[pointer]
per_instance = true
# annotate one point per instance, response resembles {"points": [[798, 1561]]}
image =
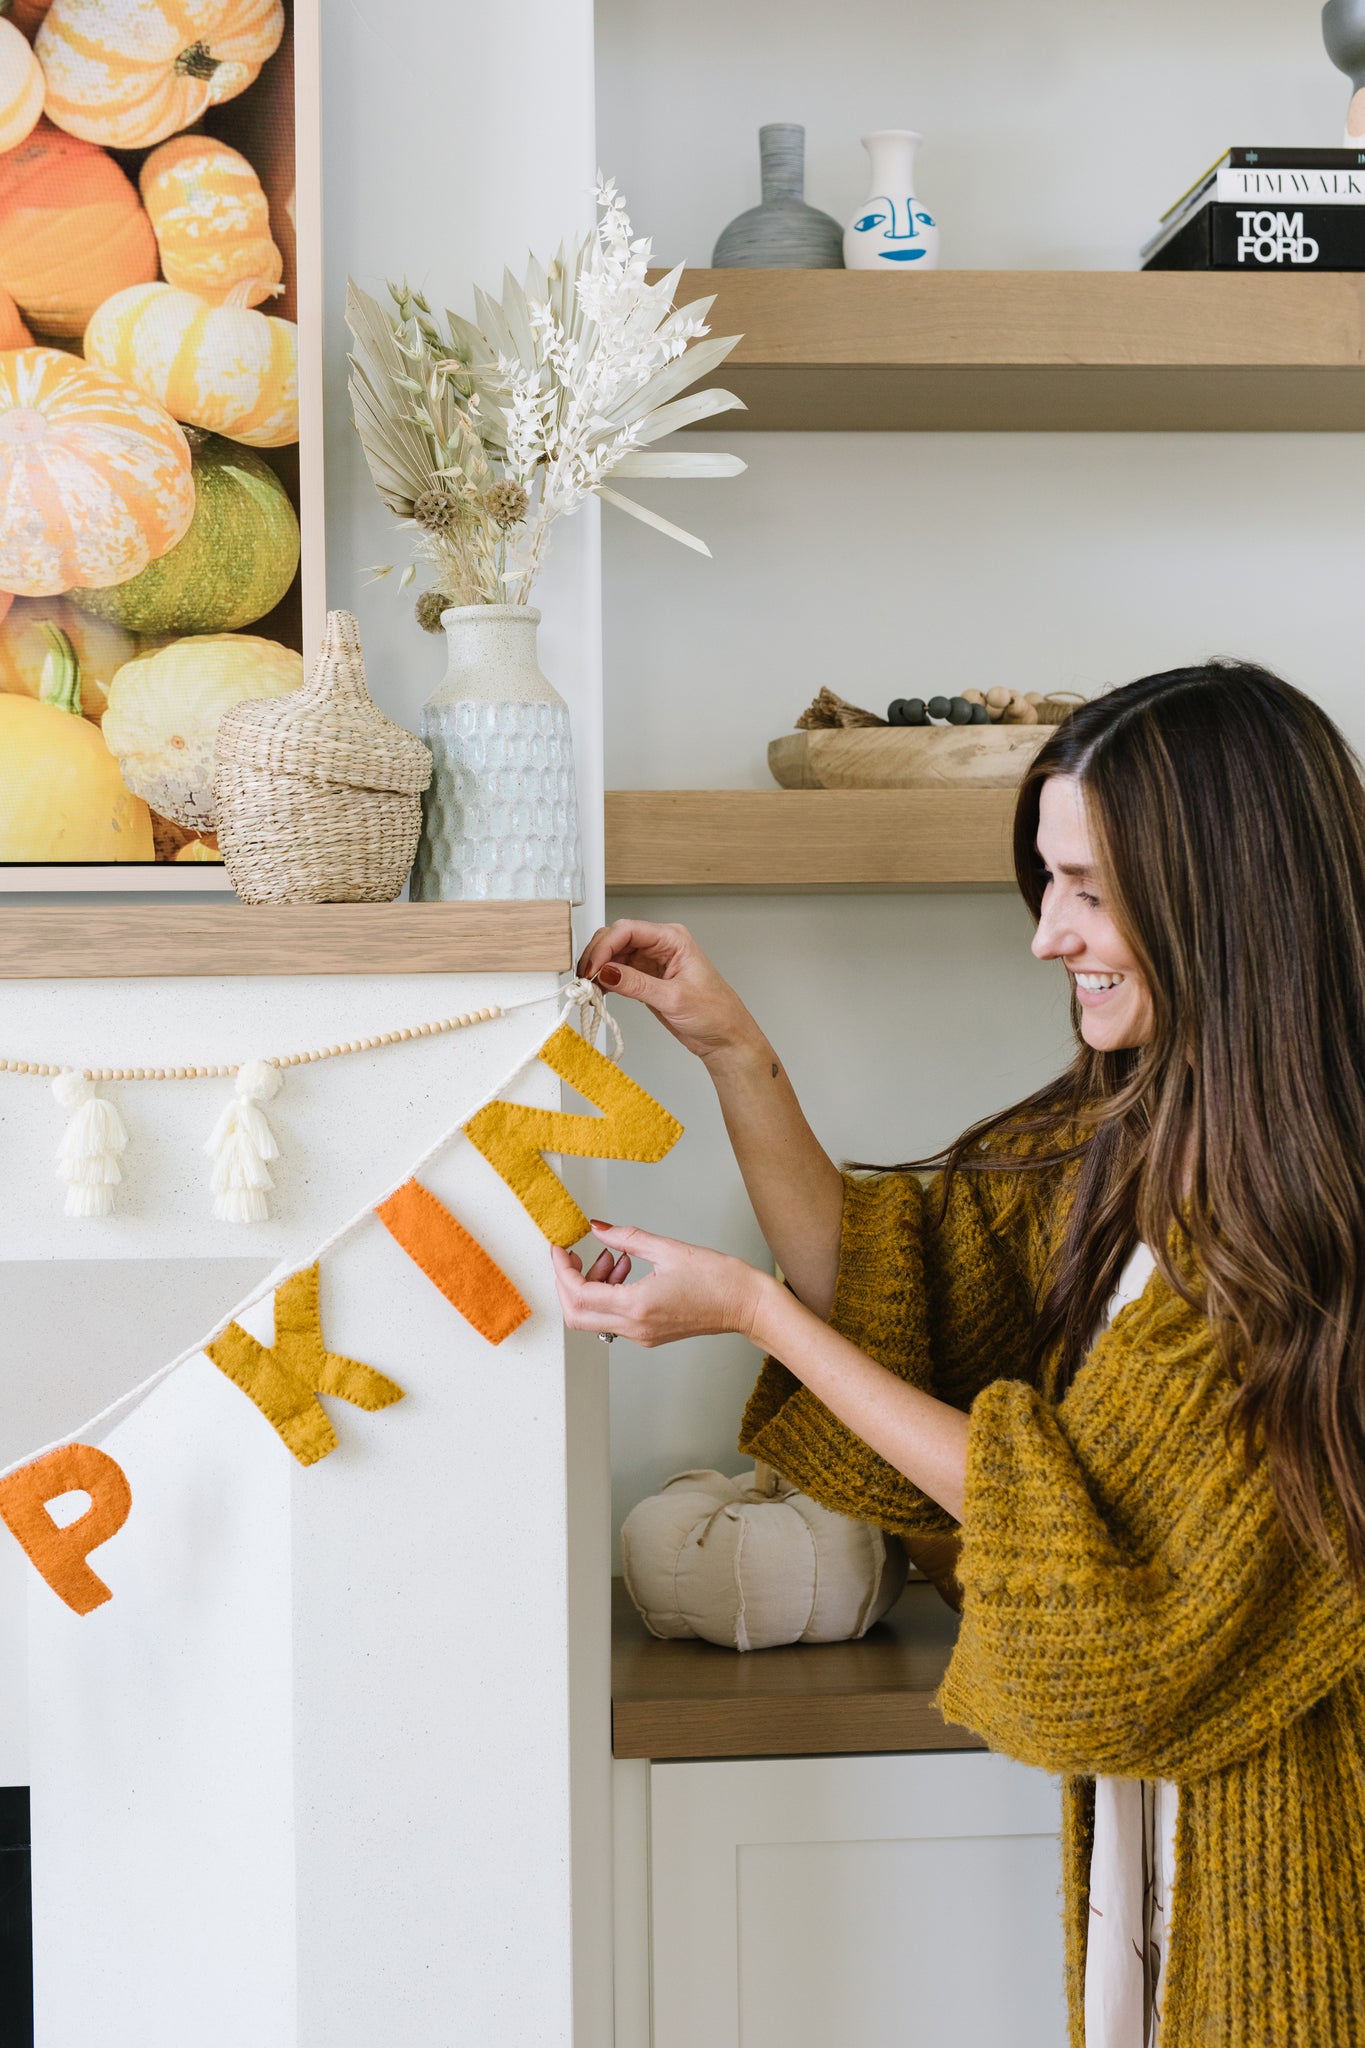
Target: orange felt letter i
{"points": [[60, 1554]]}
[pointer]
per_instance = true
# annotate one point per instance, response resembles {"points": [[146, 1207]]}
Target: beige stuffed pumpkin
{"points": [[751, 1563]]}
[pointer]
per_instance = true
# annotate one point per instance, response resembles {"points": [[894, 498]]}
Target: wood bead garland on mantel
{"points": [[242, 1141], [318, 795]]}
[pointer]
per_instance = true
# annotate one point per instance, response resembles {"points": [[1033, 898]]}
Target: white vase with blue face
{"points": [[892, 230]]}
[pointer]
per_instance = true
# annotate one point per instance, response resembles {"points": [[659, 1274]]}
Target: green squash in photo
{"points": [[233, 565]]}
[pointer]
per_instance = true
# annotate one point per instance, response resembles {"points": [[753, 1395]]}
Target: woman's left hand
{"points": [[692, 1292]]}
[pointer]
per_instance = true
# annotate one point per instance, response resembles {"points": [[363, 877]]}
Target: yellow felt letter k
{"points": [[512, 1137], [285, 1378]]}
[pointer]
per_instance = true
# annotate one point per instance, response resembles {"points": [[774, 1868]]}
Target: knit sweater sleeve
{"points": [[945, 1305], [1131, 1603]]}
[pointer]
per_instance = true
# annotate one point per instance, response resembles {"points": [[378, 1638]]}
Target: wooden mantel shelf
{"points": [[783, 841], [117, 941], [1039, 350], [691, 1699]]}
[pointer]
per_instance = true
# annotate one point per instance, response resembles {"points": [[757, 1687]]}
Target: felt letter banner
{"points": [[453, 1261], [60, 1554], [512, 1137], [285, 1378]]}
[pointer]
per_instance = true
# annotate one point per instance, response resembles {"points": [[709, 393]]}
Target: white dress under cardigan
{"points": [[1132, 1864]]}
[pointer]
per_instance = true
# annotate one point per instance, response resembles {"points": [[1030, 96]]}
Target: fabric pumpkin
{"points": [[164, 710], [71, 230], [127, 73], [750, 1563], [100, 648], [61, 794], [95, 480], [13, 333], [21, 87], [231, 568], [211, 219], [225, 368]]}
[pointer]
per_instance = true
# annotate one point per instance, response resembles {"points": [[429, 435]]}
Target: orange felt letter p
{"points": [[60, 1554]]}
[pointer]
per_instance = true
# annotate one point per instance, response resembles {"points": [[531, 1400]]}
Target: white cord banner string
{"points": [[577, 996]]}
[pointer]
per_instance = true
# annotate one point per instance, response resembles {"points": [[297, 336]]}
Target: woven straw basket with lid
{"points": [[318, 794]]}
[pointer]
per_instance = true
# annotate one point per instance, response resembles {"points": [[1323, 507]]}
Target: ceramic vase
{"points": [[500, 817], [1343, 35], [892, 230], [783, 233]]}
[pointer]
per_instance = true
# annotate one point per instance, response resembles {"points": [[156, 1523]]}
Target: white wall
{"points": [[890, 565]]}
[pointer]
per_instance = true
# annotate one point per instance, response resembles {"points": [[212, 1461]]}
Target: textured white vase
{"points": [[500, 818], [892, 230]]}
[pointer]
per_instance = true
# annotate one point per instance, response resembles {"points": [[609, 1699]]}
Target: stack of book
{"points": [[1268, 209]]}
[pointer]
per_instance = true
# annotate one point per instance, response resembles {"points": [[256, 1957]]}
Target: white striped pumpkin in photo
{"points": [[227, 368], [127, 73], [21, 87], [95, 479]]}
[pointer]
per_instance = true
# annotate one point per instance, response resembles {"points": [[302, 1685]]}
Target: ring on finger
{"points": [[606, 1336]]}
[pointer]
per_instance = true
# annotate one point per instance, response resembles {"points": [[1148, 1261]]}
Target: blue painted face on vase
{"points": [[900, 226]]}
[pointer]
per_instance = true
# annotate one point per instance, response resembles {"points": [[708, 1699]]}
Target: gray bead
{"points": [[959, 712], [937, 707], [980, 715], [783, 233]]}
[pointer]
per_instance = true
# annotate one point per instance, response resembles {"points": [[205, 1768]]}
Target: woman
{"points": [[1163, 1514]]}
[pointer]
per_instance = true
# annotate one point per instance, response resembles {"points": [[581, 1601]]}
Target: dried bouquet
{"points": [[480, 436]]}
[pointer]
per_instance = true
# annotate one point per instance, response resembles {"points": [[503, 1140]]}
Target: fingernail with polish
{"points": [[610, 977]]}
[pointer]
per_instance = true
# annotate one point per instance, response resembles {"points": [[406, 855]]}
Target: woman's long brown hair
{"points": [[1229, 818]]}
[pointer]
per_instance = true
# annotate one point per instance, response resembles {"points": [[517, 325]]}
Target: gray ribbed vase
{"points": [[500, 817], [783, 233]]}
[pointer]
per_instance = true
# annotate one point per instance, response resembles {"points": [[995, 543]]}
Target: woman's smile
{"points": [[1094, 989]]}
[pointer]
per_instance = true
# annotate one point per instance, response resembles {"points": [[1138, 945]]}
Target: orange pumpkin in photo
{"points": [[72, 230], [127, 73], [27, 15], [13, 333]]}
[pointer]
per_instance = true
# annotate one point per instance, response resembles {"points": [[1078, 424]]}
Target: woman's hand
{"points": [[692, 1292], [663, 967]]}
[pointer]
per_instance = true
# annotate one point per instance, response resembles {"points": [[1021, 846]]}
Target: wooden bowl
{"points": [[907, 756]]}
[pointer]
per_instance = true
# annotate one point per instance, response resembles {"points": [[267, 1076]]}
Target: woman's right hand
{"points": [[663, 967]]}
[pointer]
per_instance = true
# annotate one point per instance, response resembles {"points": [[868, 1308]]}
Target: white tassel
{"points": [[87, 1158], [241, 1143]]}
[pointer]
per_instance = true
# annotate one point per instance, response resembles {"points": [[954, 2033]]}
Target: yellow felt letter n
{"points": [[512, 1137], [285, 1378]]}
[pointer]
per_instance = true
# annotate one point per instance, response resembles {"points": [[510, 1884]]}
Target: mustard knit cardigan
{"points": [[1131, 1605]]}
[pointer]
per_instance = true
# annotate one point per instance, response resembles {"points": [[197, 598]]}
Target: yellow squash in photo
{"points": [[62, 796]]}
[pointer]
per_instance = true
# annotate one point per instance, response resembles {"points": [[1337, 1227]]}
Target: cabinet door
{"points": [[856, 1902]]}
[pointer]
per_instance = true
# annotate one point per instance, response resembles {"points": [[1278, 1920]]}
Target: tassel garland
{"points": [[241, 1143], [87, 1158]]}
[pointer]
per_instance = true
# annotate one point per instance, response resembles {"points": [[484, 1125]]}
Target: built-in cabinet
{"points": [[808, 1856], [838, 1902]]}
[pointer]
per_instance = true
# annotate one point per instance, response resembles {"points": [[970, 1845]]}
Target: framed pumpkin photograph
{"points": [[161, 538]]}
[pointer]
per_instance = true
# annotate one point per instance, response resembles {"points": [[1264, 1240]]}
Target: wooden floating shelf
{"points": [[1019, 350], [56, 941], [784, 841], [692, 1699]]}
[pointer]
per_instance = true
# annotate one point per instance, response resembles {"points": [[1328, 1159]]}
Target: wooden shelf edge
{"points": [[785, 841], [1040, 351], [132, 941], [856, 1725]]}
